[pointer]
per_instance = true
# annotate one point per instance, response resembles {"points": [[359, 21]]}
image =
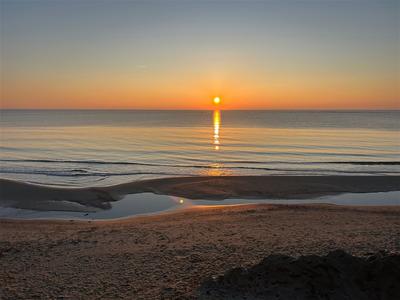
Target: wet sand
{"points": [[28, 196], [169, 256]]}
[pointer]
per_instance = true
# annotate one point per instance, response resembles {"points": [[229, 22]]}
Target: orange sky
{"points": [[241, 93]]}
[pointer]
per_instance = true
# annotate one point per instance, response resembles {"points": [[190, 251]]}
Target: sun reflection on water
{"points": [[216, 168], [217, 125]]}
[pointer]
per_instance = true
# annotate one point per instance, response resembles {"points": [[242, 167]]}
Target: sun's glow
{"points": [[217, 100]]}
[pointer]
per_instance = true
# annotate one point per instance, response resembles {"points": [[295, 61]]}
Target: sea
{"points": [[78, 148]]}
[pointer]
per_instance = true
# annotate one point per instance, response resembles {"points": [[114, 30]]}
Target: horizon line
{"points": [[210, 109]]}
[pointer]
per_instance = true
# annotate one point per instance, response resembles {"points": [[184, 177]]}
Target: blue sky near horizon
{"points": [[179, 54]]}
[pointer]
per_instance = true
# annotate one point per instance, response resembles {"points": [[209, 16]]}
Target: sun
{"points": [[216, 100]]}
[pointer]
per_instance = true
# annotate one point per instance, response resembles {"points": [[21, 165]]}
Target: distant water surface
{"points": [[94, 147]]}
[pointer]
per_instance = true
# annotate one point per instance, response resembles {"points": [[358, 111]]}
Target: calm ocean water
{"points": [[89, 147]]}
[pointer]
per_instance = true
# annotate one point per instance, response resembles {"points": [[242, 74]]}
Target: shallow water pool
{"points": [[148, 203]]}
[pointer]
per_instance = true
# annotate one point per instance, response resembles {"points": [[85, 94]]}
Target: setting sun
{"points": [[216, 100]]}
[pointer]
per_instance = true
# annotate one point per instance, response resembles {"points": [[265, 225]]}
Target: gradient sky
{"points": [[179, 54]]}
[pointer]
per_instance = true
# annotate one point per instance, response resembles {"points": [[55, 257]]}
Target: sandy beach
{"points": [[169, 256]]}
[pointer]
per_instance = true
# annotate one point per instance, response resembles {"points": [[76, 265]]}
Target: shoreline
{"points": [[171, 255], [17, 194], [147, 217]]}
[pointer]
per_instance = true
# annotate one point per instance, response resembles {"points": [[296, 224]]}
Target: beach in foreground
{"points": [[171, 255]]}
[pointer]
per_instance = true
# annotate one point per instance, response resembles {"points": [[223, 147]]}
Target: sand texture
{"points": [[170, 256]]}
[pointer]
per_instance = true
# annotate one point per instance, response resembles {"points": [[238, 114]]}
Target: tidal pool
{"points": [[149, 203]]}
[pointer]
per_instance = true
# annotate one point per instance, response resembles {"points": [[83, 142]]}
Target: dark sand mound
{"points": [[335, 276]]}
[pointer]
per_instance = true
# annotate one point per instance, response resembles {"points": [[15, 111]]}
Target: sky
{"points": [[314, 54]]}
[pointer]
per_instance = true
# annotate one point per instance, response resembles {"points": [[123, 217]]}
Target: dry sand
{"points": [[169, 256]]}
